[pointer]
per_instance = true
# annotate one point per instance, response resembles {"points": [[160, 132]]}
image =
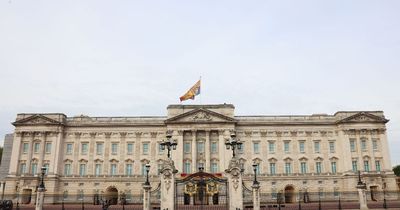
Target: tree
{"points": [[396, 170], [1, 154]]}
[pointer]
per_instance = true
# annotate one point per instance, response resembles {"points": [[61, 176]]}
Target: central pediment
{"points": [[363, 117], [200, 115], [37, 119]]}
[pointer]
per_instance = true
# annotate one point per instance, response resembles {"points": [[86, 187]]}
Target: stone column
{"points": [[28, 161], [221, 150], [235, 185], [194, 152], [146, 197], [207, 151], [168, 172], [383, 142], [15, 154], [256, 196]]}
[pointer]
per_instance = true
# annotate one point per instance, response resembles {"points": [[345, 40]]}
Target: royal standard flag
{"points": [[192, 92]]}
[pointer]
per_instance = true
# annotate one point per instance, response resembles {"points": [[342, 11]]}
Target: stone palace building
{"points": [[87, 155]]}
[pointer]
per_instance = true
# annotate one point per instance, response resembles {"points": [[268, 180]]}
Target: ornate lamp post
{"points": [[146, 188], [169, 144], [147, 174], [361, 187], [255, 182], [233, 143], [40, 191], [384, 195]]}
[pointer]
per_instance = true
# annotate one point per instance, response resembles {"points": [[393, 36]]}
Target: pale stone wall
{"points": [[202, 127]]}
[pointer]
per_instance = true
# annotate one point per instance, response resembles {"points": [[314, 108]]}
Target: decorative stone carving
{"points": [[201, 116]]}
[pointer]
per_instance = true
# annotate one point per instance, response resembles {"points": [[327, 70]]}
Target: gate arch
{"points": [[201, 188], [112, 195], [289, 194]]}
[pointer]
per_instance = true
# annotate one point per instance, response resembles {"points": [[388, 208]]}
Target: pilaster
{"points": [[194, 152], [207, 151]]}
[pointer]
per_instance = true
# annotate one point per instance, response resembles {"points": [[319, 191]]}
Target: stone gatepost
{"points": [[256, 196], [146, 197], [40, 198], [168, 172], [362, 197], [235, 185], [361, 187]]}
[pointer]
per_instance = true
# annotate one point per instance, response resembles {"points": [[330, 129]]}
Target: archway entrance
{"points": [[112, 195], [374, 191], [26, 196], [289, 194]]}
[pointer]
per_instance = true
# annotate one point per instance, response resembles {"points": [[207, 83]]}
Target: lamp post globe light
{"points": [[168, 144], [233, 143]]}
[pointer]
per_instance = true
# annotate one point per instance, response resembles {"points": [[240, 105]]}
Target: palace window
{"points": [[114, 148], [214, 167], [69, 149], [67, 169], [36, 147], [84, 148], [303, 167], [301, 146], [187, 148], [333, 167], [145, 148], [332, 147], [318, 166], [352, 145], [46, 166], [97, 169], [129, 148], [214, 147], [271, 147], [99, 148], [143, 169], [363, 144], [22, 168], [34, 168], [375, 144], [200, 147], [286, 146], [48, 148], [160, 149], [272, 168], [256, 147], [317, 147], [82, 169], [113, 170], [187, 167], [288, 168], [25, 148], [378, 165], [366, 165], [354, 165]]}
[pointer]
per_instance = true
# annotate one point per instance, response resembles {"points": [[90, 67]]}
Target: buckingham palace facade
{"points": [[91, 155]]}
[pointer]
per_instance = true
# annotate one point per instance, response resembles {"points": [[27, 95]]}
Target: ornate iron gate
{"points": [[201, 189]]}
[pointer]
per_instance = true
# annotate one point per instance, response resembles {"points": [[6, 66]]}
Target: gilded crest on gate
{"points": [[190, 188]]}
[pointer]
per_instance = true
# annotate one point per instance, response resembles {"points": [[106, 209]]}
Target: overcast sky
{"points": [[129, 58]]}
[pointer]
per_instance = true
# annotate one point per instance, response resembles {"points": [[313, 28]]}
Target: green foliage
{"points": [[1, 154], [396, 170]]}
